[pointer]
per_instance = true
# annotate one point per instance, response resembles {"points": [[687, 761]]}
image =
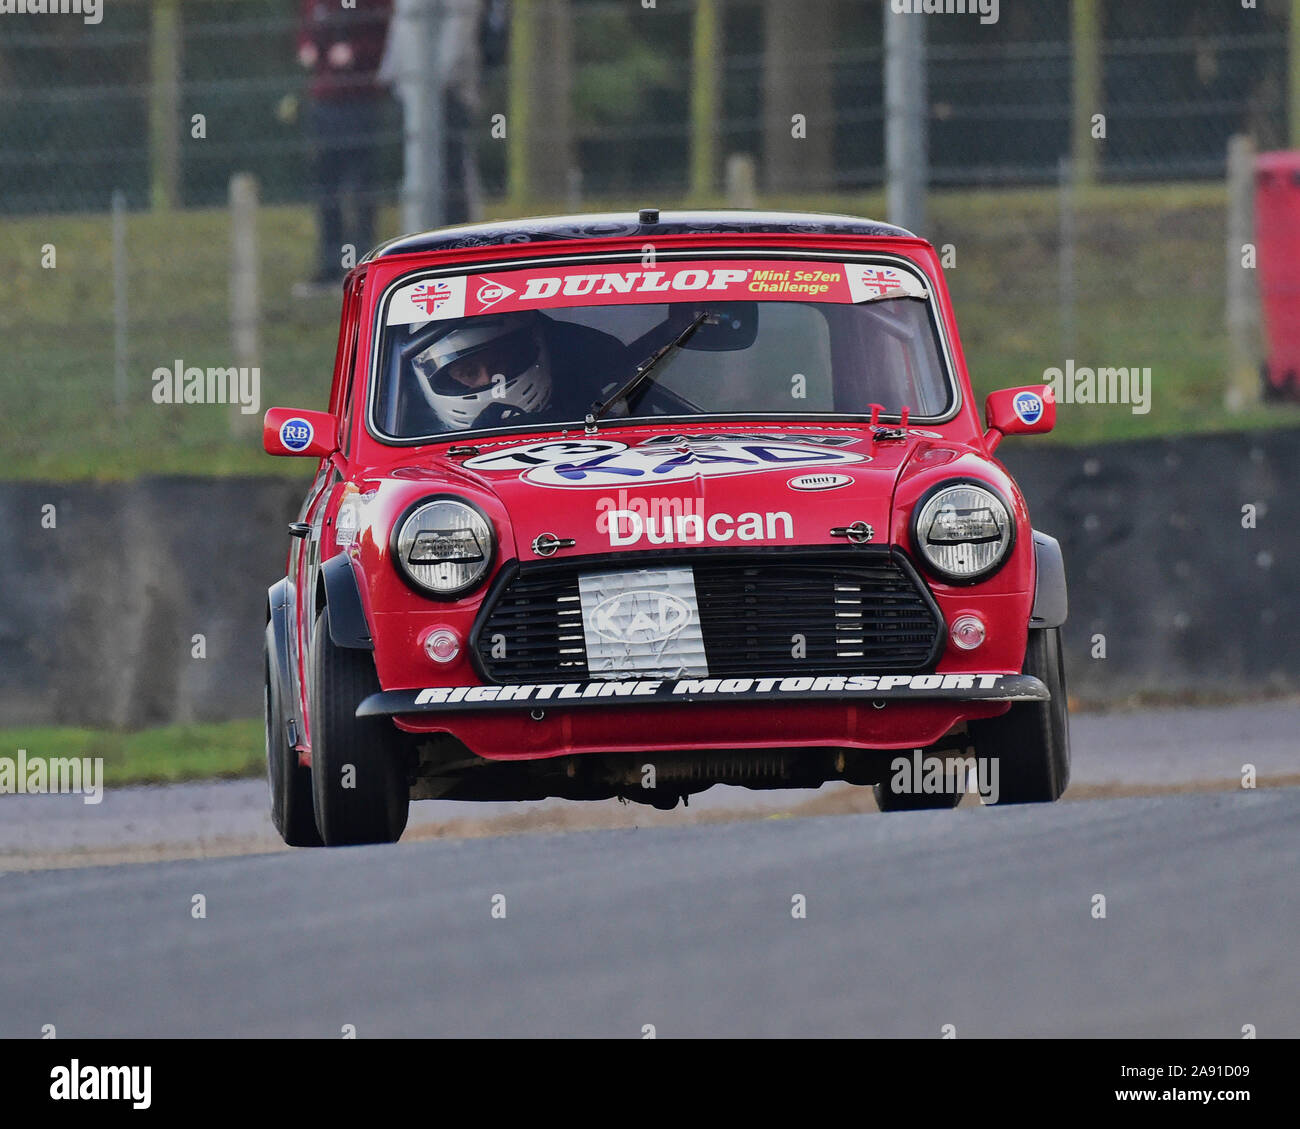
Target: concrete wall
{"points": [[98, 614], [1159, 563]]}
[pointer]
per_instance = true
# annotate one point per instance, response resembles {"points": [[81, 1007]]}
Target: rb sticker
{"points": [[296, 434], [1028, 407]]}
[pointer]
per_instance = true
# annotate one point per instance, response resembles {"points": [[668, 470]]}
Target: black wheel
{"points": [[359, 782], [1032, 740], [291, 802], [889, 800]]}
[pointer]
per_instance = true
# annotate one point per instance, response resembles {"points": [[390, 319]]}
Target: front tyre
{"points": [[359, 783], [1031, 741], [291, 802]]}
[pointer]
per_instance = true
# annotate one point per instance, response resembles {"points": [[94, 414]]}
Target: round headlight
{"points": [[964, 532], [444, 547]]}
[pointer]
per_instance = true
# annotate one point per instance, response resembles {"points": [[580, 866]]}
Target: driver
{"points": [[497, 369]]}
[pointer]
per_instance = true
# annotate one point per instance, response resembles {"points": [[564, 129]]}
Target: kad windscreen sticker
{"points": [[554, 287], [605, 462]]}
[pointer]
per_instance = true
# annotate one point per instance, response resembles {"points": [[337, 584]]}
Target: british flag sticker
{"points": [[871, 283], [430, 299], [431, 296]]}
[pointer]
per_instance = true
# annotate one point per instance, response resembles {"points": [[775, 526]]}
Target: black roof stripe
{"points": [[606, 225]]}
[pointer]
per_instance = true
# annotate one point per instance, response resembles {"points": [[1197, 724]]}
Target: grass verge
{"points": [[154, 756], [1148, 288]]}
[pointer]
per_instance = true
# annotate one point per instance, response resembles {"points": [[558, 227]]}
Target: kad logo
{"points": [[296, 434], [1029, 407], [491, 292], [640, 616], [604, 463], [819, 482]]}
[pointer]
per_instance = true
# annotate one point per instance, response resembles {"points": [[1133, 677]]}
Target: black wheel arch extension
{"points": [[345, 614], [1051, 599], [344, 610]]}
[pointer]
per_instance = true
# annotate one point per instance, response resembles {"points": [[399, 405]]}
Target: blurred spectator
{"points": [[473, 35], [341, 47]]}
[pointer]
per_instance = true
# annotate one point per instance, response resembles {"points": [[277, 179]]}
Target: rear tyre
{"points": [[359, 782], [291, 802], [1032, 740]]}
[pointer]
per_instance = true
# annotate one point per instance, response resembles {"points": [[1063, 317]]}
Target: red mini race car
{"points": [[629, 506]]}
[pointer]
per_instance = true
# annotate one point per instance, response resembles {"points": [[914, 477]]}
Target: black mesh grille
{"points": [[534, 632], [761, 613]]}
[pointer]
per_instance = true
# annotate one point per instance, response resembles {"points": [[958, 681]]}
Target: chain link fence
{"points": [[89, 108]]}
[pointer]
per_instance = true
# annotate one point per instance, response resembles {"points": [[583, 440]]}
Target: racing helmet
{"points": [[508, 348]]}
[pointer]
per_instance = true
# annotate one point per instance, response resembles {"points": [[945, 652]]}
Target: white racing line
{"points": [[1182, 749]]}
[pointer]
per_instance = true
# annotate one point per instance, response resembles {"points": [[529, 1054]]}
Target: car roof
{"points": [[645, 224]]}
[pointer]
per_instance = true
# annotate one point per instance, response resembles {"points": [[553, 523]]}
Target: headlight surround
{"points": [[444, 546], [963, 531]]}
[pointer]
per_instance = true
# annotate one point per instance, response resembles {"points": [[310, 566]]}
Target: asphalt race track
{"points": [[981, 918]]}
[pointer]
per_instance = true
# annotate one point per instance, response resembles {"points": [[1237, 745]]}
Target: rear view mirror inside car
{"points": [[729, 326]]}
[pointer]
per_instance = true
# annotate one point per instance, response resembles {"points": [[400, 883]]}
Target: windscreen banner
{"points": [[729, 280]]}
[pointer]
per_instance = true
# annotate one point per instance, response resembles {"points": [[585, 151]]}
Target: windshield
{"points": [[543, 346]]}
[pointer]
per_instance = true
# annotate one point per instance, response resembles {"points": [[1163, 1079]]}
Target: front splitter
{"points": [[715, 691]]}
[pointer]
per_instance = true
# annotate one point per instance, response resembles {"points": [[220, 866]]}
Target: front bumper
{"points": [[713, 691]]}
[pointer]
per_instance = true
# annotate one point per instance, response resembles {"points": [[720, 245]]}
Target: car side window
{"points": [[895, 350]]}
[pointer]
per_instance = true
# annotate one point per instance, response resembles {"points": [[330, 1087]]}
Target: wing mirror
{"points": [[287, 431], [1019, 411]]}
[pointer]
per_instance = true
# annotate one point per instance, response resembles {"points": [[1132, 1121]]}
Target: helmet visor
{"points": [[453, 372]]}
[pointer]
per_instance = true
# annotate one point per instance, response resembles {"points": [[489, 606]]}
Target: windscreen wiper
{"points": [[643, 371]]}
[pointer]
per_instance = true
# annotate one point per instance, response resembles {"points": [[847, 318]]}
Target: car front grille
{"points": [[775, 612]]}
